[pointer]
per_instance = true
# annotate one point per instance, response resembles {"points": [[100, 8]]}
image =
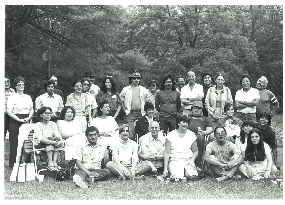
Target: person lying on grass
{"points": [[125, 157], [151, 147], [257, 157], [222, 156], [48, 136], [89, 160]]}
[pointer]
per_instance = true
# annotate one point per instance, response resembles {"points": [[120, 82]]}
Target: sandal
{"points": [[51, 168]]}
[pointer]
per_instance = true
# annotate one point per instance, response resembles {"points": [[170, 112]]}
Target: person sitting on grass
{"points": [[151, 147], [89, 160], [269, 136], [125, 157], [48, 136], [180, 151], [257, 157], [222, 156]]}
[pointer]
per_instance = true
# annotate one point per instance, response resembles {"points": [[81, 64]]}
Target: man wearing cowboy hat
{"points": [[134, 97]]}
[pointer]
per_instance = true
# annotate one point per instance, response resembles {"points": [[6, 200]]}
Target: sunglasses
{"points": [[153, 85], [86, 84], [136, 78]]}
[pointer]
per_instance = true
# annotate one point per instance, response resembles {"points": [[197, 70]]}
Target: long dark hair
{"points": [[113, 88], [165, 77], [64, 110], [255, 154], [242, 135], [100, 105]]}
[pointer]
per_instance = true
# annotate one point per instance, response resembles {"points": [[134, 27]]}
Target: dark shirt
{"points": [[205, 111], [142, 126], [202, 122], [269, 136], [167, 103]]}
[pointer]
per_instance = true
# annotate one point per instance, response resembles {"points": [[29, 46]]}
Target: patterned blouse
{"points": [[78, 103], [114, 101], [216, 99]]}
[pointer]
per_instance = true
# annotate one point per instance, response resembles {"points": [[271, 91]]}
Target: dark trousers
{"points": [[6, 123], [167, 123], [13, 138]]}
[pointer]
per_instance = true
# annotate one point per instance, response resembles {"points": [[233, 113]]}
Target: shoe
{"points": [[223, 178], [237, 177], [154, 174], [121, 178], [79, 182]]}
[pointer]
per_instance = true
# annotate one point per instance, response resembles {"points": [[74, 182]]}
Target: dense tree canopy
{"points": [[114, 40]]}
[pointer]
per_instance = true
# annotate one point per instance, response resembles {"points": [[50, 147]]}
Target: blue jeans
{"points": [[130, 119]]}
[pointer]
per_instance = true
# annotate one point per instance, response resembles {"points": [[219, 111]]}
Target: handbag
{"points": [[30, 172], [62, 174], [21, 176]]}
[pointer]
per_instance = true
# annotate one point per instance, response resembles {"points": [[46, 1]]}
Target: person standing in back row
{"points": [[167, 103], [94, 89], [56, 91], [133, 99], [190, 93]]}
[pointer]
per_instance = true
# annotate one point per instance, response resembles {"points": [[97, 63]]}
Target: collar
{"points": [[158, 137], [47, 95]]}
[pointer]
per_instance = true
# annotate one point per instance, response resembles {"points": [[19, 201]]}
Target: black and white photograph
{"points": [[143, 101]]}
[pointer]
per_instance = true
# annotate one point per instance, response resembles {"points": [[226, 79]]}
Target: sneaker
{"points": [[223, 178], [79, 182], [237, 177]]}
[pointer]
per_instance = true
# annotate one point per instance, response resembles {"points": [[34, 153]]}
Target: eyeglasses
{"points": [[197, 108], [153, 85], [136, 78], [220, 133], [7, 81], [47, 113], [93, 135], [86, 84], [21, 84]]}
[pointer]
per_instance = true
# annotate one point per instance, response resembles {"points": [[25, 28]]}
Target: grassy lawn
{"points": [[149, 189]]}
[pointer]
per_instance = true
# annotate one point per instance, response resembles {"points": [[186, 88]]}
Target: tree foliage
{"points": [[115, 40]]}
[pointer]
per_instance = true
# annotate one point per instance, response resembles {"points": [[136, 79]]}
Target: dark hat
{"points": [[198, 104], [89, 73], [135, 74]]}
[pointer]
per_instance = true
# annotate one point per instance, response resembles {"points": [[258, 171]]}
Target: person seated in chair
{"points": [[152, 146], [222, 156], [89, 160], [142, 124], [125, 157], [47, 135]]}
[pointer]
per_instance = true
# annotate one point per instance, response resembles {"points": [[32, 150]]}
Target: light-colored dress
{"points": [[47, 131], [106, 125], [73, 137], [181, 153]]}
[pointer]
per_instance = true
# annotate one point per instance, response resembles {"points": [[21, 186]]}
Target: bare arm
{"points": [[166, 156]]}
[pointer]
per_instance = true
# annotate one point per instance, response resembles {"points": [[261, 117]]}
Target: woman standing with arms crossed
{"points": [[20, 109]]}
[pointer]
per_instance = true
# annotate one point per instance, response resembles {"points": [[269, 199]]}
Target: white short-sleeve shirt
{"points": [[247, 96], [187, 92]]}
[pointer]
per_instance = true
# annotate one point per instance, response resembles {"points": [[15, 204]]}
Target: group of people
{"points": [[180, 130]]}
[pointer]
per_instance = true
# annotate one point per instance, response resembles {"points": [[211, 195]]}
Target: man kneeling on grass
{"points": [[125, 157], [89, 160], [152, 146], [222, 156]]}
